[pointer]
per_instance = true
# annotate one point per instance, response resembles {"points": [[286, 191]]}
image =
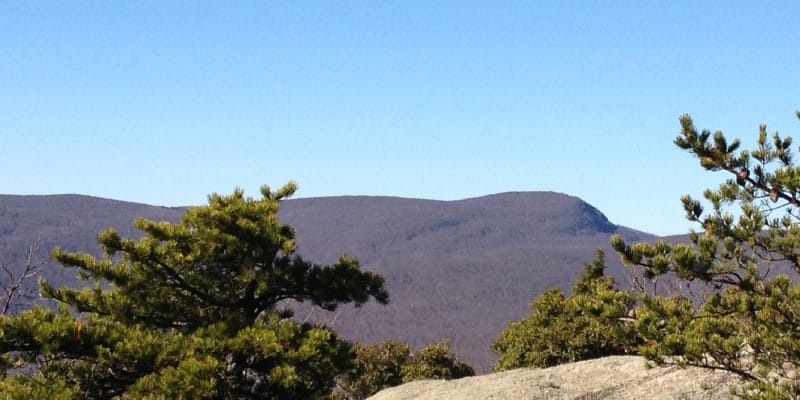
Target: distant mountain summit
{"points": [[455, 269], [560, 213], [443, 227]]}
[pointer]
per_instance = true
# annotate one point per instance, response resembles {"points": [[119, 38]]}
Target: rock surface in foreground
{"points": [[618, 377]]}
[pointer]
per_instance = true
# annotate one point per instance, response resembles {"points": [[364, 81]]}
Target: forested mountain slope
{"points": [[454, 269]]}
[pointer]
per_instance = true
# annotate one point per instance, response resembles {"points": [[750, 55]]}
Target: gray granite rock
{"points": [[618, 377]]}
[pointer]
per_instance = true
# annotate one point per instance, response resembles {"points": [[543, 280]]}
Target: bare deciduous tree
{"points": [[17, 288]]}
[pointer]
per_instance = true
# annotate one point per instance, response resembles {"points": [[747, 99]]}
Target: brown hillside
{"points": [[454, 269]]}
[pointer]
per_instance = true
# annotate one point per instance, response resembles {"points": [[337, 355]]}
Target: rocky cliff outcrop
{"points": [[618, 377]]}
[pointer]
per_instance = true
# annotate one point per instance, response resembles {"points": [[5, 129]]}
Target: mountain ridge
{"points": [[458, 269]]}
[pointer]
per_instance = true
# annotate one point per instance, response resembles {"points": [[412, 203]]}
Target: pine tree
{"points": [[749, 320], [590, 323], [190, 310], [391, 363]]}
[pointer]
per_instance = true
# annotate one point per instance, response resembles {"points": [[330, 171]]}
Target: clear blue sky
{"points": [[165, 102]]}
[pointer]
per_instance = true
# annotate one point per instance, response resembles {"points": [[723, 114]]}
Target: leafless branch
{"points": [[16, 289]]}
